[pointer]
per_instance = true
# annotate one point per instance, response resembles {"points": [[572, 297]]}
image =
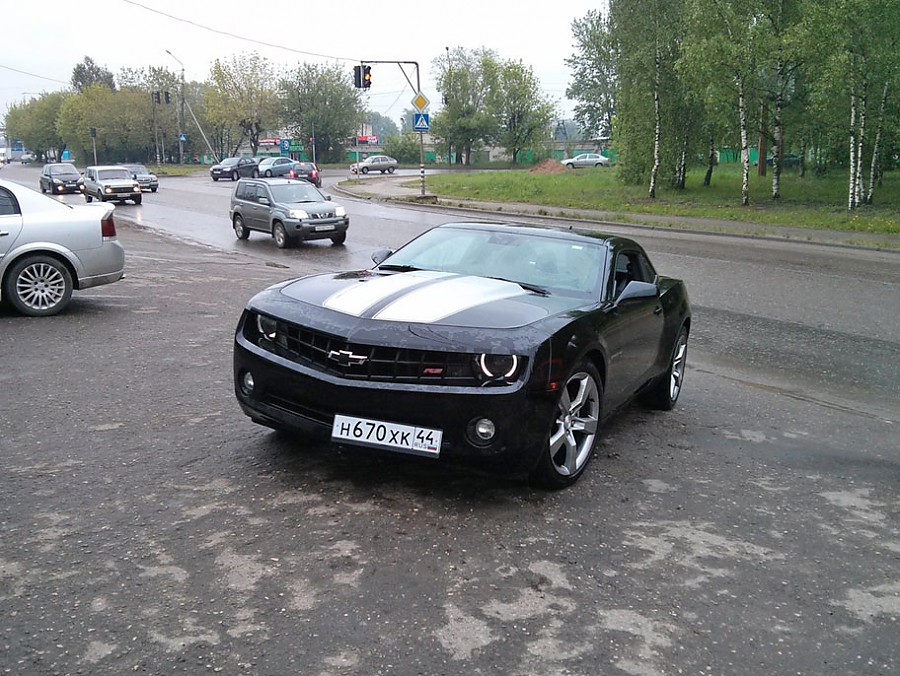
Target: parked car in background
{"points": [[49, 248], [59, 178], [110, 183], [146, 178], [290, 210], [307, 171], [382, 163], [498, 345], [787, 160], [275, 166], [586, 160], [234, 168]]}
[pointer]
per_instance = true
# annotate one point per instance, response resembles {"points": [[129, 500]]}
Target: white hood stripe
{"points": [[444, 299], [420, 296], [356, 299]]}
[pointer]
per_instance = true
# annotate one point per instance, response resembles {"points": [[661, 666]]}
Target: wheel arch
{"points": [[9, 262]]}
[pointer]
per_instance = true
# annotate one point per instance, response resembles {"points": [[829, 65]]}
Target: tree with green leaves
{"points": [[34, 122], [522, 112], [243, 94], [466, 79], [593, 83], [320, 101], [87, 73], [403, 147]]}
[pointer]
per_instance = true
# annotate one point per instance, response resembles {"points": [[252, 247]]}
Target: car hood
{"points": [[309, 207], [428, 297], [117, 182]]}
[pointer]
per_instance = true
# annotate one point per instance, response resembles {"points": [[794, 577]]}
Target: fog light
{"points": [[247, 383], [485, 429]]}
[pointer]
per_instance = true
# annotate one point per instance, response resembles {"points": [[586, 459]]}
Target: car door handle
{"points": [[657, 310], [3, 233]]}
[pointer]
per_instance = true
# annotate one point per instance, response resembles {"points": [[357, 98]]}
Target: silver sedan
{"points": [[587, 160], [49, 248]]}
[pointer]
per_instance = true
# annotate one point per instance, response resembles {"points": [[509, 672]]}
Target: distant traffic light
{"points": [[156, 97], [168, 98], [367, 77], [357, 77]]}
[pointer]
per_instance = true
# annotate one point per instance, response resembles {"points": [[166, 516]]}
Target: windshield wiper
{"points": [[534, 288], [398, 268]]}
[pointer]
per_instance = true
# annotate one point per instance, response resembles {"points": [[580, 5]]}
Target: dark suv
{"points": [[290, 210]]}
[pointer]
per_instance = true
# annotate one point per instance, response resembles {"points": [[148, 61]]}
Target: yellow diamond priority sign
{"points": [[420, 102]]}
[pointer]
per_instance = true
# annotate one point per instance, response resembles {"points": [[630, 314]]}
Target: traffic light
{"points": [[168, 98], [156, 97], [367, 77], [357, 77]]}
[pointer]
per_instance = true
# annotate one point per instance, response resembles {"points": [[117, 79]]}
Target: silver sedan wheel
{"points": [[39, 286], [575, 429]]}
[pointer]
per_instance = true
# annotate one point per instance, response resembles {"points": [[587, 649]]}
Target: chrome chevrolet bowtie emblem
{"points": [[347, 358]]}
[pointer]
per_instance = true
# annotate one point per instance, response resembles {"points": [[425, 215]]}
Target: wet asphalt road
{"points": [[146, 526]]}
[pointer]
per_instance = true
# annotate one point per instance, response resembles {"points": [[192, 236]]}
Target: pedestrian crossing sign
{"points": [[421, 122]]}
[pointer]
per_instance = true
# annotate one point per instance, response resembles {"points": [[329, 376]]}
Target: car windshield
{"points": [[113, 173], [229, 161], [64, 172], [295, 192], [560, 265]]}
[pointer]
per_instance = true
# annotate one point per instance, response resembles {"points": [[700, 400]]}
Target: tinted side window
{"points": [[8, 204], [246, 192], [261, 192], [631, 266]]}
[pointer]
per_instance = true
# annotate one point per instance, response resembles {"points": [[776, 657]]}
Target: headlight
{"points": [[340, 211], [267, 326], [298, 213], [498, 366], [137, 186]]}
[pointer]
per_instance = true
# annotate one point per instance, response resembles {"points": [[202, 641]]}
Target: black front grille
{"points": [[320, 216], [355, 361]]}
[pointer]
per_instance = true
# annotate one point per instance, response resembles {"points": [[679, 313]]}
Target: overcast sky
{"points": [[45, 42]]}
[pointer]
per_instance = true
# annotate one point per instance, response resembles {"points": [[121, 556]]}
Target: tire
{"points": [[268, 173], [38, 286], [215, 178], [282, 241], [234, 176], [88, 198], [138, 199], [240, 231], [663, 393], [100, 196], [365, 170], [153, 189], [390, 170], [570, 166], [43, 190], [337, 240], [573, 430], [255, 174]]}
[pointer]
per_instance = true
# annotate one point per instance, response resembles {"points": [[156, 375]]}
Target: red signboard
{"points": [[366, 140]]}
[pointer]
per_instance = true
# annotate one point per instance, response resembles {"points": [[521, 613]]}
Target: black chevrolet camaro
{"points": [[502, 345]]}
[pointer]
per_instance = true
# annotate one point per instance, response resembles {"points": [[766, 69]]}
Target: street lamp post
{"points": [[180, 111]]}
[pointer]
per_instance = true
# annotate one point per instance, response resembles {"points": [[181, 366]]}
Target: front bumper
{"points": [[290, 395], [323, 228]]}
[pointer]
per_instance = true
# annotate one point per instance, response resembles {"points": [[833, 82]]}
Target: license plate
{"points": [[406, 438], [323, 228]]}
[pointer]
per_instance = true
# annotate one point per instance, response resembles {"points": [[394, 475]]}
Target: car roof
{"points": [[107, 166], [586, 236], [275, 180]]}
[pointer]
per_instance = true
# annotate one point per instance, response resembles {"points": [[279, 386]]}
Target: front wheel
{"points": [[255, 174], [88, 198], [573, 430], [390, 170], [281, 238], [153, 189], [268, 173], [234, 176], [240, 231], [365, 170], [38, 286], [138, 199], [339, 239], [664, 392]]}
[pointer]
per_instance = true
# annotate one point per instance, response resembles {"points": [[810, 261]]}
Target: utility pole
{"points": [[180, 111]]}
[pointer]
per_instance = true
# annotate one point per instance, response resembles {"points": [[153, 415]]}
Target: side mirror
{"points": [[264, 200], [635, 289], [380, 255], [327, 198]]}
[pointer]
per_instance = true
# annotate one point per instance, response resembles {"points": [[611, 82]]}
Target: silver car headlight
{"points": [[340, 211], [299, 214], [267, 326]]}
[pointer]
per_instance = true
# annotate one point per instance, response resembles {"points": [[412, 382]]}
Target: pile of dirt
{"points": [[548, 167]]}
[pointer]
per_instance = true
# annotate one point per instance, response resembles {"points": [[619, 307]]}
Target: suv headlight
{"points": [[298, 213], [340, 211]]}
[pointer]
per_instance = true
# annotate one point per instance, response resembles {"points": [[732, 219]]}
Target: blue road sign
{"points": [[285, 145], [421, 122]]}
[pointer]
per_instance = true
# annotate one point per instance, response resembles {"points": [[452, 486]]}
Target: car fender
{"points": [[70, 260]]}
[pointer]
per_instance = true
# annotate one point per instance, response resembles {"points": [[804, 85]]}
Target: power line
{"points": [[235, 35], [42, 77]]}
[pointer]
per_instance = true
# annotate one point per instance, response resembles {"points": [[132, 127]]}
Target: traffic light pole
{"points": [[421, 133]]}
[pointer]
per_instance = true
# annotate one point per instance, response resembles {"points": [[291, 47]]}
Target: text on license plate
{"points": [[407, 438], [322, 228]]}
